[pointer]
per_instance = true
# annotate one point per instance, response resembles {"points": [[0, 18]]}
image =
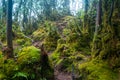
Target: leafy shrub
{"points": [[21, 76]]}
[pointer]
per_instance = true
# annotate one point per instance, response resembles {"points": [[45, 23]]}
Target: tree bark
{"points": [[85, 16], [111, 12], [9, 30], [99, 13]]}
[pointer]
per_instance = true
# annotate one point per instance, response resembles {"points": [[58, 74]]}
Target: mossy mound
{"points": [[8, 69], [23, 42], [28, 55], [48, 35], [29, 59], [97, 70], [39, 34], [64, 57], [27, 66], [71, 49], [50, 41]]}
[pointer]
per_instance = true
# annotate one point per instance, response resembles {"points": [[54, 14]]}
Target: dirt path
{"points": [[62, 75]]}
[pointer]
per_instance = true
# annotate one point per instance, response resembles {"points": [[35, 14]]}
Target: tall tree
{"points": [[9, 30], [85, 23], [111, 11], [66, 7], [98, 23], [17, 9], [25, 12], [4, 10], [99, 14]]}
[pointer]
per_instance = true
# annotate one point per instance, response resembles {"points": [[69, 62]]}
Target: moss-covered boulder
{"points": [[29, 60], [28, 55], [97, 70]]}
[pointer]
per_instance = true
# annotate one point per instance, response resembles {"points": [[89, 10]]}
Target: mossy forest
{"points": [[59, 39]]}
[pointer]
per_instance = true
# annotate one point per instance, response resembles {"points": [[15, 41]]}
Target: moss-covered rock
{"points": [[29, 60], [28, 55], [97, 70]]}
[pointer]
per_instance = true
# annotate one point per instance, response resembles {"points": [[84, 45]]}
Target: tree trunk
{"points": [[99, 14], [9, 30], [98, 23], [111, 12], [17, 10], [3, 10], [85, 23]]}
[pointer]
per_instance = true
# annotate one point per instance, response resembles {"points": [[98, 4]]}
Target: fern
{"points": [[21, 74]]}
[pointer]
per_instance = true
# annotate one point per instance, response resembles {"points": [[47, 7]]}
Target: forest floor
{"points": [[58, 74]]}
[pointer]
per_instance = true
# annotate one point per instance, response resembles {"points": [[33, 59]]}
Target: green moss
{"points": [[26, 67], [66, 32], [20, 75], [50, 41], [29, 61], [8, 69], [20, 41], [97, 70], [19, 35], [28, 55], [39, 34], [2, 76], [54, 57], [78, 42]]}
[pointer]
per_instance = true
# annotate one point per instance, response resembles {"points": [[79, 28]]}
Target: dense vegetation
{"points": [[42, 38]]}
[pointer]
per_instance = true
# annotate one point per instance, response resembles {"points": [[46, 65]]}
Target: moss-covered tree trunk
{"points": [[95, 48], [107, 41]]}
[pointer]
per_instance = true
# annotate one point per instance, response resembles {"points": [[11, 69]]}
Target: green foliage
{"points": [[28, 55], [19, 35], [51, 38], [71, 46], [29, 63], [48, 34], [97, 70], [8, 69], [26, 67], [73, 24], [20, 75], [79, 42], [39, 34], [2, 32], [23, 42], [20, 41]]}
